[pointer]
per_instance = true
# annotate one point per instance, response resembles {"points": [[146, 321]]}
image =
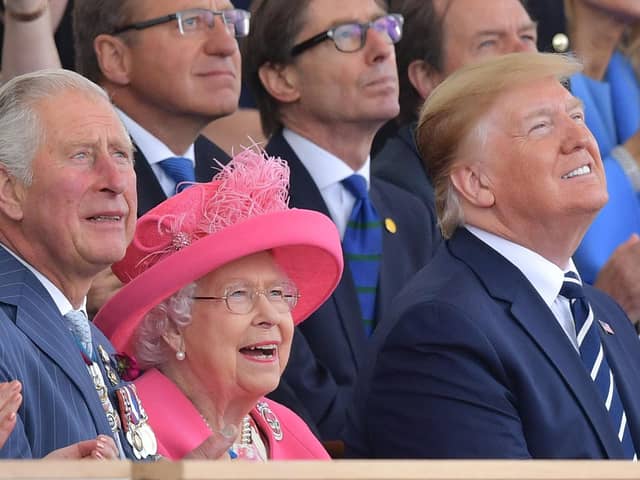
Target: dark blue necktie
{"points": [[594, 359], [181, 171], [362, 245]]}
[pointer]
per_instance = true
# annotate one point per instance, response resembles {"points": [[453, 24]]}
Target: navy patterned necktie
{"points": [[362, 245], [180, 170], [594, 359], [78, 324]]}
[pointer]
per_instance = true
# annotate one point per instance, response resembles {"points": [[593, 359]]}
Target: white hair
{"points": [[21, 129]]}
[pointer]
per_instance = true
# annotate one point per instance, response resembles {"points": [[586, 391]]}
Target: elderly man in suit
{"points": [[498, 349], [324, 77], [67, 211]]}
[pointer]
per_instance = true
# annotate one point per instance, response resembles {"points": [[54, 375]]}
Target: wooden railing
{"points": [[336, 470]]}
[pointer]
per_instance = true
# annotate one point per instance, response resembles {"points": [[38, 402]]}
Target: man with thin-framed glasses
{"points": [[323, 73], [171, 67]]}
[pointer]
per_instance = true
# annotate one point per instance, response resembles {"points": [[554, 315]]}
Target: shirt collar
{"points": [[62, 303], [325, 168], [153, 149], [546, 277]]}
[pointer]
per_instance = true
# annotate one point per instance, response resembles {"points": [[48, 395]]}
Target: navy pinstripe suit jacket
{"points": [[60, 404]]}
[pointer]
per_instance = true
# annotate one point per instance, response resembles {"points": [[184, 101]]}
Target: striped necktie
{"points": [[362, 245], [78, 324], [594, 359], [180, 170]]}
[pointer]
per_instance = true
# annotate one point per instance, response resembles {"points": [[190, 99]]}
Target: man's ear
{"points": [[113, 58], [280, 81], [472, 184], [12, 195], [423, 77]]}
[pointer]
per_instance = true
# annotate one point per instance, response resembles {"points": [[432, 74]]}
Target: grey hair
{"points": [[21, 130], [151, 350]]}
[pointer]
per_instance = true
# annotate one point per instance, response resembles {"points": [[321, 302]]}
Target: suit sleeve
{"points": [[309, 389], [17, 445], [439, 390]]}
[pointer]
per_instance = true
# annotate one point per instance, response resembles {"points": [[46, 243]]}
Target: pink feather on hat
{"points": [[242, 211]]}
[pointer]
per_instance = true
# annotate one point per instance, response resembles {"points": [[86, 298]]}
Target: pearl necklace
{"points": [[245, 433], [245, 436]]}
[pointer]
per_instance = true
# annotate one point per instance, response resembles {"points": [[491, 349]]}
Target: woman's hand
{"points": [[216, 446], [102, 447]]}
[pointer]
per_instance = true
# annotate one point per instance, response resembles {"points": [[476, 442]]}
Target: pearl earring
{"points": [[180, 354]]}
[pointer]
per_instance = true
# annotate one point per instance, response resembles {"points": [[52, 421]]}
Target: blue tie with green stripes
{"points": [[362, 246]]}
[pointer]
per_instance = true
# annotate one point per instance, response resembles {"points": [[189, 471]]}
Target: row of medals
{"points": [[137, 430]]}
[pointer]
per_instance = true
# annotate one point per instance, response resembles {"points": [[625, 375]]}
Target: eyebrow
{"points": [[571, 104], [575, 102], [95, 144], [337, 23], [522, 28]]}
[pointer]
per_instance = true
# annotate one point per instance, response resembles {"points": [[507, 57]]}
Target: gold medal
{"points": [[103, 354], [111, 375]]}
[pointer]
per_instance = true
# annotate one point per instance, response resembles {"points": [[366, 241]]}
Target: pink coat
{"points": [[179, 428]]}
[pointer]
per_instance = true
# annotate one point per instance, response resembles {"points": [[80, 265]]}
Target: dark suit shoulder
{"points": [[402, 206], [400, 163], [209, 158]]}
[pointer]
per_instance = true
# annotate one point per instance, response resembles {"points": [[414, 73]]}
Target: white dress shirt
{"points": [[327, 172], [154, 151], [546, 277]]}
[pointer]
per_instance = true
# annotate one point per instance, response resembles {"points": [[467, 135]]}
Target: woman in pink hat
{"points": [[215, 279]]}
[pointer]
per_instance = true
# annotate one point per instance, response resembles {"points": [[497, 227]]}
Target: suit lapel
{"points": [[505, 282], [407, 135], [150, 191], [390, 276], [303, 193], [39, 319], [209, 157]]}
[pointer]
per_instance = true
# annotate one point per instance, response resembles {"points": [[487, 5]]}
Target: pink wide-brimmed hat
{"points": [[242, 211]]}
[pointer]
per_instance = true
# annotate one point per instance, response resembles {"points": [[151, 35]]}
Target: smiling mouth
{"points": [[578, 172], [106, 218], [261, 352]]}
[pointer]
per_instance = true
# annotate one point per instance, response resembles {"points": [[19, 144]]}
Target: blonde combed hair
{"points": [[454, 111]]}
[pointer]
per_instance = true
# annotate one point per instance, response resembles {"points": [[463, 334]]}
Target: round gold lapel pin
{"points": [[390, 225]]}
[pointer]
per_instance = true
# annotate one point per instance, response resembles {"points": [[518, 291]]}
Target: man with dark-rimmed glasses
{"points": [[171, 67], [324, 76]]}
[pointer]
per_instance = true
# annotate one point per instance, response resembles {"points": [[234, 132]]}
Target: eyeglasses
{"points": [[241, 298], [194, 20], [351, 37]]}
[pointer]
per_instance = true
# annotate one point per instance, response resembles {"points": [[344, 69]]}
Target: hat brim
{"points": [[304, 243]]}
